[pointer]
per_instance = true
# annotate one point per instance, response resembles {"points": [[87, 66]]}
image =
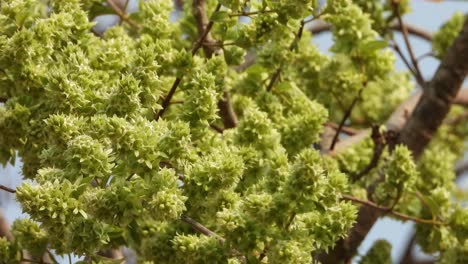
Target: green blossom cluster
{"points": [[447, 33], [119, 132]]}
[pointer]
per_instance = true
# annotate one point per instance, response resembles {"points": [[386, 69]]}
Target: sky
{"points": [[426, 14]]}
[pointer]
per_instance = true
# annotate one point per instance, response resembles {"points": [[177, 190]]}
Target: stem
{"points": [[397, 49], [124, 10], [122, 14], [199, 43], [8, 189], [167, 99], [404, 30], [345, 129], [343, 120], [201, 228], [252, 13], [391, 211], [277, 73]]}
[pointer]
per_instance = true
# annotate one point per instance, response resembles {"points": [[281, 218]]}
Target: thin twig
{"points": [[273, 79], [379, 145], [345, 129], [295, 42], [252, 13], [390, 211], [345, 117], [8, 189], [124, 10], [200, 41], [198, 45], [201, 228], [216, 128], [404, 30], [207, 232], [426, 55], [397, 49], [122, 14]]}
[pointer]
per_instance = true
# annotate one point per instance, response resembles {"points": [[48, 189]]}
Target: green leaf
{"points": [[374, 45], [219, 16]]}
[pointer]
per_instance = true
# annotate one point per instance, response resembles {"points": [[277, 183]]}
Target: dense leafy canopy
{"points": [[80, 113]]}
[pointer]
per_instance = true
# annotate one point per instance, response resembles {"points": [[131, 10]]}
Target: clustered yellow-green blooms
{"points": [[80, 112], [424, 189], [379, 253], [447, 33]]}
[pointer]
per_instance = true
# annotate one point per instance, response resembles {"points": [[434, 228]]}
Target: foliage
{"points": [[81, 112]]}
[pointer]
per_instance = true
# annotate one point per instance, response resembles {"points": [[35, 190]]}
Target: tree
{"points": [[210, 140]]}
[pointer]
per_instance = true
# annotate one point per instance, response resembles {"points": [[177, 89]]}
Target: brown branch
{"points": [[216, 128], [397, 49], [204, 27], [396, 121], [436, 102], [198, 44], [252, 13], [167, 100], [3, 100], [379, 145], [226, 111], [201, 228], [8, 189], [345, 117], [431, 108], [345, 129], [277, 73], [121, 14], [207, 232], [273, 79], [124, 8], [404, 30], [389, 210]]}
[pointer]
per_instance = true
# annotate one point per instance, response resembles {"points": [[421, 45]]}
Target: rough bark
{"points": [[435, 103], [422, 124]]}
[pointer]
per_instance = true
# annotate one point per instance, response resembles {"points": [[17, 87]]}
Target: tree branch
{"points": [[198, 44], [389, 210], [8, 189], [345, 129], [226, 111], [431, 108], [345, 117], [396, 121], [201, 228], [277, 73], [404, 31], [435, 103], [121, 14]]}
